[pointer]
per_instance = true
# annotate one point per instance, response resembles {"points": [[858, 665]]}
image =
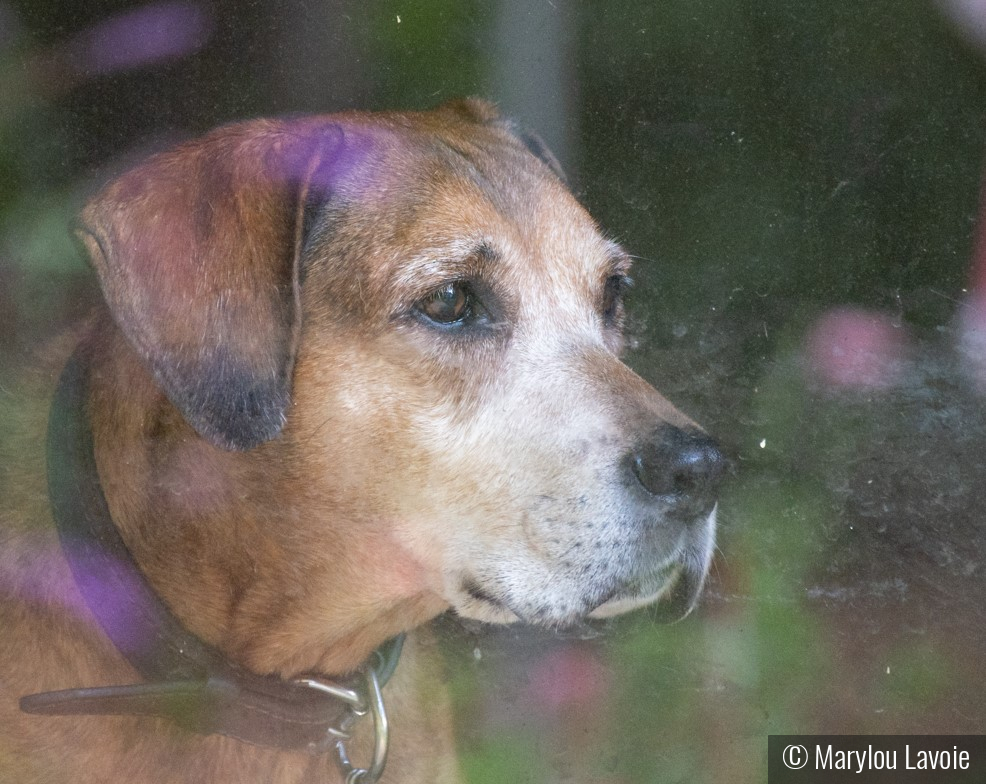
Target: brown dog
{"points": [[352, 371]]}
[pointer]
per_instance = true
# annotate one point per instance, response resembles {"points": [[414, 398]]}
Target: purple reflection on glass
{"points": [[346, 153], [45, 580], [333, 160], [150, 34]]}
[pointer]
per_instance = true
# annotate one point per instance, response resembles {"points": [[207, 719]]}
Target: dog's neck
{"points": [[187, 680], [237, 543]]}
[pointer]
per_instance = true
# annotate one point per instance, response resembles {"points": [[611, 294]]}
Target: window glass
{"points": [[799, 186]]}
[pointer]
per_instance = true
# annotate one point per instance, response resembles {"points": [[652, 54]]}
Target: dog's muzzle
{"points": [[648, 540], [676, 472]]}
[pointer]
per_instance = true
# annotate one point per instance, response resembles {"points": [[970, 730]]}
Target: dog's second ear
{"points": [[480, 111], [197, 253]]}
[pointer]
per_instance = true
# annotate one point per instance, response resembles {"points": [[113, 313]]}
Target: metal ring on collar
{"points": [[381, 737], [368, 699]]}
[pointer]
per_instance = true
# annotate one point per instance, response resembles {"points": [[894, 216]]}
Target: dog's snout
{"points": [[682, 467]]}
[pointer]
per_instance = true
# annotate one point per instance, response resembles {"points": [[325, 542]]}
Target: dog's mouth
{"points": [[673, 590], [672, 586], [563, 599], [476, 592]]}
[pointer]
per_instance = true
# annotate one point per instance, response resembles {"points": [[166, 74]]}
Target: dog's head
{"points": [[409, 331]]}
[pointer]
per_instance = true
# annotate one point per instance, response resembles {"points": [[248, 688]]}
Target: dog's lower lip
{"points": [[663, 588], [475, 591]]}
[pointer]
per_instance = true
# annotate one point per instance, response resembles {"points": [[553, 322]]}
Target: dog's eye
{"points": [[450, 304], [613, 294]]}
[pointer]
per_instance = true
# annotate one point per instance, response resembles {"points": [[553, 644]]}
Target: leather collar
{"points": [[186, 680]]}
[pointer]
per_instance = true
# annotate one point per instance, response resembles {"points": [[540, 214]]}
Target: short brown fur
{"points": [[385, 451]]}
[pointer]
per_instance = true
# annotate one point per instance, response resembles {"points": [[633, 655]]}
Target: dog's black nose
{"points": [[681, 467]]}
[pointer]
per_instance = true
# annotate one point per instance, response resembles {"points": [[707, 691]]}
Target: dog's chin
{"points": [[475, 603], [670, 587], [673, 590]]}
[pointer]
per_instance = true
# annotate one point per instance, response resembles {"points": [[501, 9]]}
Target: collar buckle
{"points": [[366, 697]]}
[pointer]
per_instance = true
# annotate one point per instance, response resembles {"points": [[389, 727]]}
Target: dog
{"points": [[352, 372]]}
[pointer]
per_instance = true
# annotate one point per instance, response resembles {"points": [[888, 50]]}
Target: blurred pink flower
{"points": [[971, 317], [856, 348], [972, 338], [569, 677]]}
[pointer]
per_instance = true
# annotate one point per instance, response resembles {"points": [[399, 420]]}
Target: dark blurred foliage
{"points": [[800, 184]]}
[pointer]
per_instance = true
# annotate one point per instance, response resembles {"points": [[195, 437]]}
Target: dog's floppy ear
{"points": [[197, 253]]}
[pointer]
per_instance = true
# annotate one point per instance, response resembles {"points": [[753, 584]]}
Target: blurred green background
{"points": [[800, 184]]}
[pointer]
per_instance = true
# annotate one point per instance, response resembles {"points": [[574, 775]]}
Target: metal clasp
{"points": [[355, 701], [359, 705], [368, 699], [381, 736]]}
